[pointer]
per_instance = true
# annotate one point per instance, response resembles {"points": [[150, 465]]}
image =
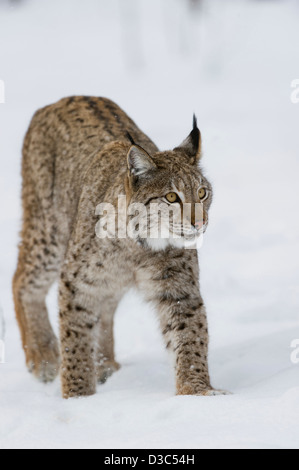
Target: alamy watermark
{"points": [[2, 92], [295, 92], [295, 353], [2, 336], [158, 223]]}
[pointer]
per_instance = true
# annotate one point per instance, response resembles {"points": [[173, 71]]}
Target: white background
{"points": [[233, 64]]}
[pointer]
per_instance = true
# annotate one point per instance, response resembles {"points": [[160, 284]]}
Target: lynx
{"points": [[78, 153]]}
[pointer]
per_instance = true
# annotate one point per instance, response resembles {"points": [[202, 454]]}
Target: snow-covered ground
{"points": [[233, 64]]}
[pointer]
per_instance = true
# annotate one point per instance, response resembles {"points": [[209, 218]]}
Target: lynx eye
{"points": [[202, 193], [172, 197]]}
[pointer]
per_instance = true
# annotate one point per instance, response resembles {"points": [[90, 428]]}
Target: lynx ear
{"points": [[139, 161], [192, 145]]}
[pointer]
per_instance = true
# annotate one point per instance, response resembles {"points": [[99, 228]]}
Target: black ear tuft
{"points": [[192, 145], [194, 122], [131, 138], [195, 135]]}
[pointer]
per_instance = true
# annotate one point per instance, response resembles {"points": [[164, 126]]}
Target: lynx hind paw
{"points": [[106, 370], [44, 366]]}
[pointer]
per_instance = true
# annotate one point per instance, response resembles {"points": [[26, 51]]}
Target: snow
{"points": [[233, 63]]}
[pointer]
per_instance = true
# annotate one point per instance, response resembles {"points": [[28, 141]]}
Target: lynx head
{"points": [[168, 194]]}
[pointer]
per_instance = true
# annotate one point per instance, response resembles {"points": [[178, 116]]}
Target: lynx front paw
{"points": [[214, 393], [106, 369], [77, 392], [43, 362], [189, 389], [78, 381]]}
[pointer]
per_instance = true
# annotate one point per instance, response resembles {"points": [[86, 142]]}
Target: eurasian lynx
{"points": [[77, 154]]}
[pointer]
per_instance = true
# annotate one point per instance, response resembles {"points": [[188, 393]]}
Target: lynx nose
{"points": [[199, 224]]}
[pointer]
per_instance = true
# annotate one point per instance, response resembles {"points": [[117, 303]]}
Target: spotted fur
{"points": [[77, 154]]}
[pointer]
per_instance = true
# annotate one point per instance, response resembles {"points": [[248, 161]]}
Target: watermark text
{"points": [[295, 93], [295, 353], [176, 223]]}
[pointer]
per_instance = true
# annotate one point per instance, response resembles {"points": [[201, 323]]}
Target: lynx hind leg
{"points": [[37, 270], [106, 363]]}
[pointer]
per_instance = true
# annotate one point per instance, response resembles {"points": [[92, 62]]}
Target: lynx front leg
{"points": [[186, 332], [78, 324], [173, 287], [184, 326]]}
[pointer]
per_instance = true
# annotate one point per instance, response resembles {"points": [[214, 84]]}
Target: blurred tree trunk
{"points": [[131, 33], [195, 4], [183, 20], [190, 23]]}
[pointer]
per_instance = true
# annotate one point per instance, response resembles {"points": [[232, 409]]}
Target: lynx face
{"points": [[172, 193]]}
